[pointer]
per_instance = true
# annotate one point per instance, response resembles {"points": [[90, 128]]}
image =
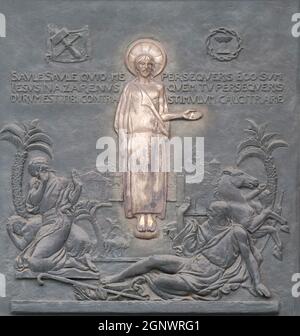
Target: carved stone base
{"points": [[146, 235], [230, 307]]}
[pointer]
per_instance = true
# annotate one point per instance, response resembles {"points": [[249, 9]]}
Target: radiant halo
{"points": [[146, 47]]}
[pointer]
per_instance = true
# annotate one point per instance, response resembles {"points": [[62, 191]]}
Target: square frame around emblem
{"points": [[68, 46]]}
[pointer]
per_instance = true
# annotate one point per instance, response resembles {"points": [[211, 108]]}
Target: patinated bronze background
{"points": [[74, 239]]}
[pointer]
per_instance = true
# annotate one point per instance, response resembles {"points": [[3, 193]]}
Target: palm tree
{"points": [[261, 145], [26, 137]]}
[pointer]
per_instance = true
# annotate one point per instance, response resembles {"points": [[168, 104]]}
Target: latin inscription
{"points": [[65, 88], [225, 88], [208, 88]]}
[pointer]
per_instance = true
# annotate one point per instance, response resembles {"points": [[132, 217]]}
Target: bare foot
{"points": [[72, 263], [262, 290], [90, 263], [151, 224], [277, 253], [109, 279], [141, 226]]}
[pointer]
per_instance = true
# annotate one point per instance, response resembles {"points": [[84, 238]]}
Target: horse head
{"points": [[239, 178]]}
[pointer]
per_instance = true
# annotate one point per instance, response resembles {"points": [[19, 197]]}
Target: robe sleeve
{"points": [[165, 109], [121, 117]]}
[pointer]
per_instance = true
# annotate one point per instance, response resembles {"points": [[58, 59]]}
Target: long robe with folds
{"points": [[138, 119]]}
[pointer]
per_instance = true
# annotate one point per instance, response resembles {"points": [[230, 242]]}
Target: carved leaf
{"points": [[267, 137], [15, 140], [35, 122], [15, 130], [83, 294], [253, 125], [25, 126], [80, 294], [35, 131], [248, 142], [262, 129], [250, 131], [41, 147], [40, 137], [251, 152], [276, 144]]}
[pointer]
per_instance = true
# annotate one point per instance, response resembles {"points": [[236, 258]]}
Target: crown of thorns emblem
{"points": [[223, 44], [68, 46]]}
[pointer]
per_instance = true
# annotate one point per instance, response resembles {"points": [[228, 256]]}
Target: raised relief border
{"points": [[230, 307]]}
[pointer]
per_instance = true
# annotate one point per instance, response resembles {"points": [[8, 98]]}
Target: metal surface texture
{"points": [[149, 156]]}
